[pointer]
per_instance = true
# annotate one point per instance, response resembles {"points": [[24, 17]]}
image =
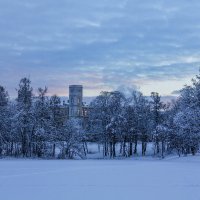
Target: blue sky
{"points": [[153, 45]]}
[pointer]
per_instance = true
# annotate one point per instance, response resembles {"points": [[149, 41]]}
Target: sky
{"points": [[150, 45]]}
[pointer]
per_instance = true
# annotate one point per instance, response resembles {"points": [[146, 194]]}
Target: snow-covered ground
{"points": [[143, 179]]}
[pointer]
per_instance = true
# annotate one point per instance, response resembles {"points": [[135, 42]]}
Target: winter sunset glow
{"points": [[99, 99], [104, 45]]}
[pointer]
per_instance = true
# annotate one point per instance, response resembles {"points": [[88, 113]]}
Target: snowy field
{"points": [[147, 179]]}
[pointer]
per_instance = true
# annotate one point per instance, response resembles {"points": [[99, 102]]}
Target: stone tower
{"points": [[75, 101]]}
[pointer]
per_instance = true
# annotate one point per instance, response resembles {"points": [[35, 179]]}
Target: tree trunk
{"points": [[157, 146], [136, 143], [130, 149], [144, 147], [124, 149], [114, 151], [162, 148], [99, 148], [111, 150], [54, 150]]}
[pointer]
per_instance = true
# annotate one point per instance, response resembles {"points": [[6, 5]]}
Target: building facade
{"points": [[75, 108], [75, 101]]}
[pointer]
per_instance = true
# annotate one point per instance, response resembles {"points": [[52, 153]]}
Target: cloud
{"points": [[176, 92], [100, 44]]}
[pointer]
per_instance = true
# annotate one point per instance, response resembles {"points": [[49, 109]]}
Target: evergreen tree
{"points": [[4, 118], [24, 124]]}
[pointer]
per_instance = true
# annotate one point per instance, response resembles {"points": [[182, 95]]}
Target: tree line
{"points": [[36, 126]]}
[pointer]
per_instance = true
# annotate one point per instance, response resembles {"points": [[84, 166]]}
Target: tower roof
{"points": [[75, 86]]}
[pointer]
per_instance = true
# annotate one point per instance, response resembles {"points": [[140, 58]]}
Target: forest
{"points": [[32, 125]]}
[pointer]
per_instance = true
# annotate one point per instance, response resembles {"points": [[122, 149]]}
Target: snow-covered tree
{"points": [[187, 119], [23, 120], [71, 140], [157, 117], [99, 118], [4, 118], [42, 122], [104, 114]]}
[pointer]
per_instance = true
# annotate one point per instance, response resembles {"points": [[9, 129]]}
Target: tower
{"points": [[75, 101]]}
